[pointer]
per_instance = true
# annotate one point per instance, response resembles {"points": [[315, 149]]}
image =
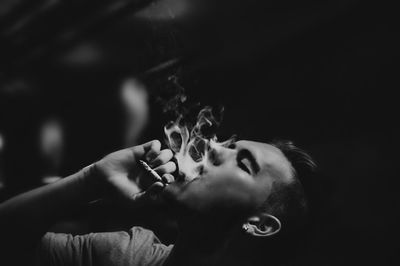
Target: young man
{"points": [[246, 199]]}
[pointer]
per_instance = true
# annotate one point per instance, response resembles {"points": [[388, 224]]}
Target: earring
{"points": [[245, 227]]}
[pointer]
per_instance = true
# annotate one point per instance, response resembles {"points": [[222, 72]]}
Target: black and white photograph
{"points": [[199, 133]]}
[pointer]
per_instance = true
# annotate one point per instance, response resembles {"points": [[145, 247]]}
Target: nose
{"points": [[220, 154]]}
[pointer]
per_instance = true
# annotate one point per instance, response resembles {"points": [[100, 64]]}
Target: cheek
{"points": [[224, 193]]}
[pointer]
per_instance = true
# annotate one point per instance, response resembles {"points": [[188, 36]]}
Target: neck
{"points": [[200, 245]]}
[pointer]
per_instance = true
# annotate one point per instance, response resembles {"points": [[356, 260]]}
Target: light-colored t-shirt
{"points": [[138, 246]]}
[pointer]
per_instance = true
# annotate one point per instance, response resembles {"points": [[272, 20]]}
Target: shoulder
{"points": [[137, 246], [142, 247]]}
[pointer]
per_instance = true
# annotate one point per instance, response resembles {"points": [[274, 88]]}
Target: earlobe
{"points": [[262, 225]]}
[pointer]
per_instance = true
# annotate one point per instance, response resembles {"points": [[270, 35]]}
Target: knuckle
{"points": [[151, 155], [158, 160], [168, 153], [168, 177], [166, 168], [156, 143], [160, 169], [171, 167], [163, 157]]}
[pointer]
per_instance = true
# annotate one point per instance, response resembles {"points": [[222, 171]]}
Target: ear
{"points": [[262, 225]]}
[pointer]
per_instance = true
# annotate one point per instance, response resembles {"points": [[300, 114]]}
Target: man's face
{"points": [[236, 180]]}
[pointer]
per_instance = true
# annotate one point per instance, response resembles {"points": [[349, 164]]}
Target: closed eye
{"points": [[247, 162]]}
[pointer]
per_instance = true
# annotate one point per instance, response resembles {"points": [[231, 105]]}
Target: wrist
{"points": [[90, 182]]}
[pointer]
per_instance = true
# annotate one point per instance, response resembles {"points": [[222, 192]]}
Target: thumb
{"points": [[152, 193]]}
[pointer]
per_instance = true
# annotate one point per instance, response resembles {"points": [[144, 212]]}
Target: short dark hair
{"points": [[290, 202]]}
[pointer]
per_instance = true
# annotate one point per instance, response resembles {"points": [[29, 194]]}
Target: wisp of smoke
{"points": [[192, 144]]}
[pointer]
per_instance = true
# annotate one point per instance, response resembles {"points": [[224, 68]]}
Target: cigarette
{"points": [[150, 170]]}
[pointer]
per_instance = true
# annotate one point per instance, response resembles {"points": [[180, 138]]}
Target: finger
{"points": [[153, 175], [142, 150], [137, 198], [167, 168], [153, 151], [164, 157], [151, 193], [168, 178]]}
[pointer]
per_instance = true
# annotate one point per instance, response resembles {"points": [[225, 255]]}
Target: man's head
{"points": [[290, 202], [248, 182]]}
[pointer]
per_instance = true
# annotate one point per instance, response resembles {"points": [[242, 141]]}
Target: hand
{"points": [[118, 173]]}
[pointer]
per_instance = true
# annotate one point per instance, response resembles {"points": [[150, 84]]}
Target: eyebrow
{"points": [[249, 155]]}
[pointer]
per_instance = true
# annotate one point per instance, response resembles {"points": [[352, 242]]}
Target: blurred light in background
{"points": [[2, 144], [51, 141], [83, 54], [134, 99], [18, 86]]}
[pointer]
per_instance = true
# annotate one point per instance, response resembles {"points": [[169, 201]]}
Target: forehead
{"points": [[270, 159]]}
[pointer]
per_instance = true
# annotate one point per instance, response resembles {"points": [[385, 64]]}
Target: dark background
{"points": [[320, 73]]}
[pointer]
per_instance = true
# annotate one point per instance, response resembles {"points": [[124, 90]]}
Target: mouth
{"points": [[182, 177]]}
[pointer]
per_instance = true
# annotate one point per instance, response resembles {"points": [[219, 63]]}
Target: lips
{"points": [[183, 179]]}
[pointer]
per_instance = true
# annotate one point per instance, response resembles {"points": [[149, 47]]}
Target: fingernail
{"points": [[165, 179], [168, 178]]}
